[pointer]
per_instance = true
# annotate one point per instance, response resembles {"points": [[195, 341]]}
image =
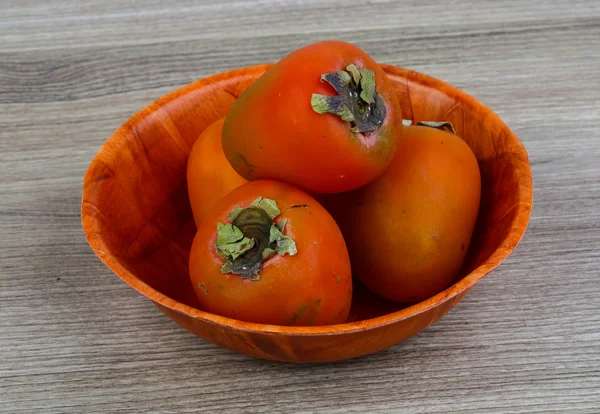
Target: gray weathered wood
{"points": [[73, 338]]}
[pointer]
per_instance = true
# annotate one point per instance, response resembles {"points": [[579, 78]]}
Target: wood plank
{"points": [[524, 340]]}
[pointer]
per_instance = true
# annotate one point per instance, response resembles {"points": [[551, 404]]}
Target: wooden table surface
{"points": [[74, 338]]}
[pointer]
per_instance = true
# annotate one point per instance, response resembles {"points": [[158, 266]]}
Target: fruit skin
{"points": [[209, 175], [312, 287], [273, 132], [409, 230]]}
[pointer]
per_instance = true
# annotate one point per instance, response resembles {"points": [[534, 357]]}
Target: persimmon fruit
{"points": [[325, 118], [270, 253], [408, 231]]}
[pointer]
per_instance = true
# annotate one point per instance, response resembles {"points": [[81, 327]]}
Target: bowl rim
{"points": [[515, 232]]}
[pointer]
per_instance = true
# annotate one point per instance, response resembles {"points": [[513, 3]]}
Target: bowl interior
{"points": [[135, 206]]}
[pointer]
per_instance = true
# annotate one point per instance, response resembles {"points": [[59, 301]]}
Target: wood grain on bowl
{"points": [[137, 217]]}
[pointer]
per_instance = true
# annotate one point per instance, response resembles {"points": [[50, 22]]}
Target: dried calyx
{"points": [[357, 102], [444, 126], [251, 238]]}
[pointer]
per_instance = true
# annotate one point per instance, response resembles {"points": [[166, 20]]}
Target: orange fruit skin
{"points": [[209, 175]]}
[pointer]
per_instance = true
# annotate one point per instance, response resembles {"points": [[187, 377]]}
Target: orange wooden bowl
{"points": [[137, 218]]}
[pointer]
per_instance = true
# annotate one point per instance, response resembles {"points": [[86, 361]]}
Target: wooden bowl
{"points": [[137, 218]]}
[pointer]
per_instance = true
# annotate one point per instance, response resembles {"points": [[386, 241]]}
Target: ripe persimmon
{"points": [[270, 253], [409, 230], [324, 118], [209, 174]]}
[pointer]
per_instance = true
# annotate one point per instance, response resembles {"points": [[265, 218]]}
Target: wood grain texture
{"points": [[74, 338]]}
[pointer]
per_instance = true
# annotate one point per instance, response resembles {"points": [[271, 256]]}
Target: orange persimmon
{"points": [[325, 118], [209, 174], [408, 231], [269, 253]]}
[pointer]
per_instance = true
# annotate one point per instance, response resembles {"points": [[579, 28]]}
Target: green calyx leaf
{"points": [[366, 79], [281, 224], [251, 238], [283, 244], [357, 100], [268, 253], [343, 76], [231, 242], [234, 213], [324, 104], [367, 83], [270, 206], [286, 245], [275, 234], [227, 267], [355, 72]]}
